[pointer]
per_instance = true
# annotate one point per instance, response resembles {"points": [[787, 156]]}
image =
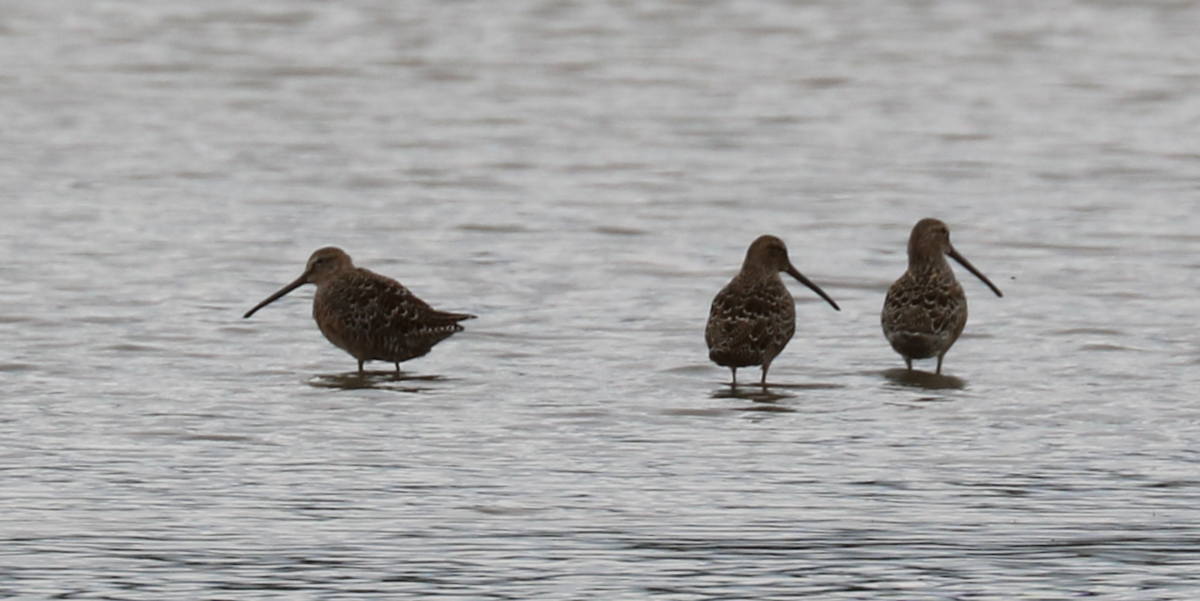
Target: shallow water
{"points": [[584, 177]]}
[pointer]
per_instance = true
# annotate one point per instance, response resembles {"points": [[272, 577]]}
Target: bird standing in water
{"points": [[926, 309], [368, 315], [754, 316]]}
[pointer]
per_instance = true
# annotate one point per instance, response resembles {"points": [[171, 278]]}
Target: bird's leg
{"points": [[908, 362], [939, 367], [360, 366], [734, 376]]}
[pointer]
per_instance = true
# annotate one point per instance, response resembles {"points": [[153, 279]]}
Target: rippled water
{"points": [[585, 176]]}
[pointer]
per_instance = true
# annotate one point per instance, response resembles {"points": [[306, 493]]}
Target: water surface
{"points": [[584, 177]]}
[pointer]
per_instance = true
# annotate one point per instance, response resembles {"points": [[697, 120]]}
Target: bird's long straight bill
{"points": [[792, 271], [971, 268], [274, 297]]}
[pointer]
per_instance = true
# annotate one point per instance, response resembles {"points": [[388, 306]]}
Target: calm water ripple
{"points": [[584, 177]]}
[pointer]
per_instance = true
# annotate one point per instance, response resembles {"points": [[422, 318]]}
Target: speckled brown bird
{"points": [[368, 315], [926, 309], [754, 316]]}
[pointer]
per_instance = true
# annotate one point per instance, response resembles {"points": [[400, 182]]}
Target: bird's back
{"points": [[374, 317], [750, 323], [924, 313]]}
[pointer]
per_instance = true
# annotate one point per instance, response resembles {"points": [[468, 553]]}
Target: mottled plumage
{"points": [[368, 315], [926, 309], [754, 316]]}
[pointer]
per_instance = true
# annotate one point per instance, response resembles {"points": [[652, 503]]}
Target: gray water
{"points": [[584, 177]]}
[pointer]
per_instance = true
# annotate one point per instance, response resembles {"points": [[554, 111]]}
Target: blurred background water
{"points": [[585, 176]]}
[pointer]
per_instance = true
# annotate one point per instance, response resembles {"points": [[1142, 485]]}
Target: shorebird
{"points": [[926, 308], [754, 316], [368, 315]]}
